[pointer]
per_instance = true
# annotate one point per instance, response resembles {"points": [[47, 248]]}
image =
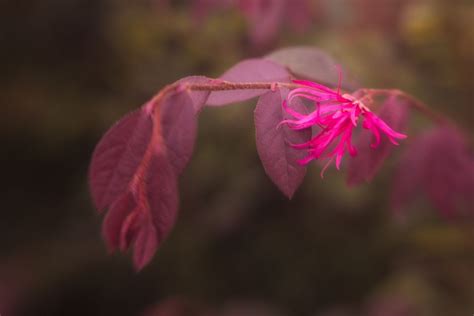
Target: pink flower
{"points": [[336, 115]]}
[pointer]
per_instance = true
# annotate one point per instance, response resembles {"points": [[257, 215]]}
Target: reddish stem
{"points": [[222, 85]]}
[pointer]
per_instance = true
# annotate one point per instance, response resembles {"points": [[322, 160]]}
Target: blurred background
{"points": [[69, 69]]}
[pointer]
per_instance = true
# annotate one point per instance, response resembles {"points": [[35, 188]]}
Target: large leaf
{"points": [[134, 173], [311, 63], [250, 70], [273, 141], [117, 157]]}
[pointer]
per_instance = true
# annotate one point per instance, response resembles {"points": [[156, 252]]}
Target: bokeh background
{"points": [[69, 69]]}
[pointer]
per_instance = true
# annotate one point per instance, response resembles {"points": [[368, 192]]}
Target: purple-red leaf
{"points": [[134, 173], [114, 220], [163, 195], [311, 63], [273, 142], [144, 216], [179, 127], [145, 245], [179, 306], [440, 163], [363, 167], [156, 212], [117, 156], [250, 70]]}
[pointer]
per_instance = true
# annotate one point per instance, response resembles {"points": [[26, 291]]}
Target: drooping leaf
{"points": [[311, 63], [162, 194], [250, 70], [440, 164], [114, 220], [117, 157], [145, 245], [273, 141], [144, 216], [179, 126], [395, 112], [134, 173]]}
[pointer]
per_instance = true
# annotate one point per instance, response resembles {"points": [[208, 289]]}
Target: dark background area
{"points": [[69, 69]]}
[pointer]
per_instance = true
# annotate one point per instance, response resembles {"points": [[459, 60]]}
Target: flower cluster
{"points": [[336, 115]]}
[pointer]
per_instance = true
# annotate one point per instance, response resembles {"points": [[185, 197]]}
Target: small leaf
{"points": [[363, 167], [250, 70], [145, 245], [273, 142], [311, 63], [134, 173]]}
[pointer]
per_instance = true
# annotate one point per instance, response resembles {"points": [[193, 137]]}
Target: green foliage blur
{"points": [[69, 69]]}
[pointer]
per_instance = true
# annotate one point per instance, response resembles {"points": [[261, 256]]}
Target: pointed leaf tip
{"points": [[145, 246]]}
